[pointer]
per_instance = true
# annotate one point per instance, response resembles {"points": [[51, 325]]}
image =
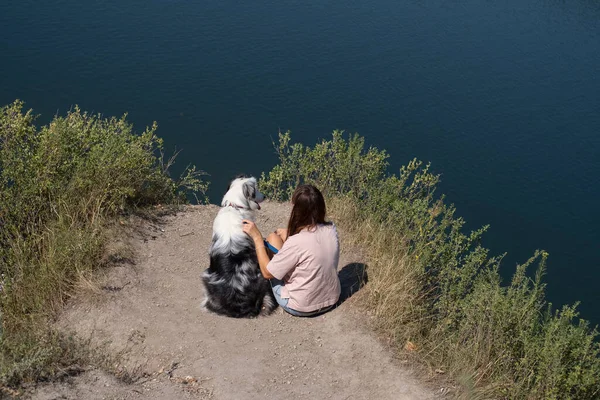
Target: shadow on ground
{"points": [[352, 277]]}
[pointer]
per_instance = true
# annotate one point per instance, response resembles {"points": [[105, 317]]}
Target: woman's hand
{"points": [[282, 233], [251, 230]]}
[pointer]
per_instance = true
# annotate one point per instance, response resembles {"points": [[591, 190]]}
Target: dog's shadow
{"points": [[352, 278]]}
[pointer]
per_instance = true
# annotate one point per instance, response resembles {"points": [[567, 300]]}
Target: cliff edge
{"points": [[147, 316]]}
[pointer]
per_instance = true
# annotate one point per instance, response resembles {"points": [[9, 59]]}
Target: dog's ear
{"points": [[250, 189], [238, 176]]}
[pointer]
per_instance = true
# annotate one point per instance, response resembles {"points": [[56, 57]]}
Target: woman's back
{"points": [[308, 263]]}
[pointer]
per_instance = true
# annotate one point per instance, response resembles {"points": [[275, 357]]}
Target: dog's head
{"points": [[243, 193]]}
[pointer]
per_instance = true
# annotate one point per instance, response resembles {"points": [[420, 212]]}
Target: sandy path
{"points": [[157, 317]]}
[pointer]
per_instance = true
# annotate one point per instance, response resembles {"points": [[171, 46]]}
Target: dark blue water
{"points": [[502, 97]]}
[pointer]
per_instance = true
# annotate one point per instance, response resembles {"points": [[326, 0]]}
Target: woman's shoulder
{"points": [[328, 226], [309, 238], [326, 229]]}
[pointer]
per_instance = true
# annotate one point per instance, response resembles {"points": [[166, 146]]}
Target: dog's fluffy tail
{"points": [[269, 304]]}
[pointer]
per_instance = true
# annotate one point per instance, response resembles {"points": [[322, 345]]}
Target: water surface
{"points": [[501, 97]]}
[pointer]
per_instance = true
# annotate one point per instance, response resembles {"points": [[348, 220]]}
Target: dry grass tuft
{"points": [[434, 290], [64, 190]]}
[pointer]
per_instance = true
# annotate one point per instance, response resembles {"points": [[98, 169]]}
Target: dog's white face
{"points": [[243, 193]]}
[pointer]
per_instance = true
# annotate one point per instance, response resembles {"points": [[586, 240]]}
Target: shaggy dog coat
{"points": [[233, 283]]}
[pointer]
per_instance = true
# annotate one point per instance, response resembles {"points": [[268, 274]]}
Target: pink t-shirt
{"points": [[307, 263]]}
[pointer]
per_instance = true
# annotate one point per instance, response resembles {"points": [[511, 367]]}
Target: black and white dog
{"points": [[233, 283]]}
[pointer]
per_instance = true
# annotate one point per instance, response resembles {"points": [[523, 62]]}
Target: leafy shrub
{"points": [[61, 186], [435, 287]]}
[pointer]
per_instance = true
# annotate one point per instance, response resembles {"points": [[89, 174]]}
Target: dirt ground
{"points": [[149, 314]]}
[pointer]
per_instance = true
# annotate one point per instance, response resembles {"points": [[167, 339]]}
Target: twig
{"points": [[174, 366], [114, 288]]}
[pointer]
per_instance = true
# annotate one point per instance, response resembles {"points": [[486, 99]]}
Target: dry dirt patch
{"points": [[150, 314]]}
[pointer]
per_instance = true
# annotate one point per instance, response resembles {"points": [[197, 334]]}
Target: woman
{"points": [[302, 267]]}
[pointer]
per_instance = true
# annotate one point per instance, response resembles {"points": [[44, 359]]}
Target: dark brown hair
{"points": [[308, 209]]}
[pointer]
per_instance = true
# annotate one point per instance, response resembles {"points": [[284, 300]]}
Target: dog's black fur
{"points": [[224, 298], [233, 283]]}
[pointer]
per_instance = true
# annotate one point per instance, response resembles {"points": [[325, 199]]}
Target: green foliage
{"points": [[354, 175], [437, 287], [61, 186]]}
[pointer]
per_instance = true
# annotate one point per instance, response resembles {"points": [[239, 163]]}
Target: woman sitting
{"points": [[302, 266]]}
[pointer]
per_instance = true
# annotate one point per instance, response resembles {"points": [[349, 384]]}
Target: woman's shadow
{"points": [[352, 278]]}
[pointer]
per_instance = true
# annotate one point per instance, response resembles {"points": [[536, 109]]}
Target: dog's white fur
{"points": [[227, 226], [233, 282]]}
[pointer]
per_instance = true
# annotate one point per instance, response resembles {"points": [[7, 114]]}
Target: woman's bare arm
{"points": [[282, 233], [263, 259], [261, 252]]}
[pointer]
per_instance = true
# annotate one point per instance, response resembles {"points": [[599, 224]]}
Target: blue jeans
{"points": [[277, 285]]}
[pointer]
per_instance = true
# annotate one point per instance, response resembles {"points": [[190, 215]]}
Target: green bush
{"points": [[435, 287], [61, 187]]}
